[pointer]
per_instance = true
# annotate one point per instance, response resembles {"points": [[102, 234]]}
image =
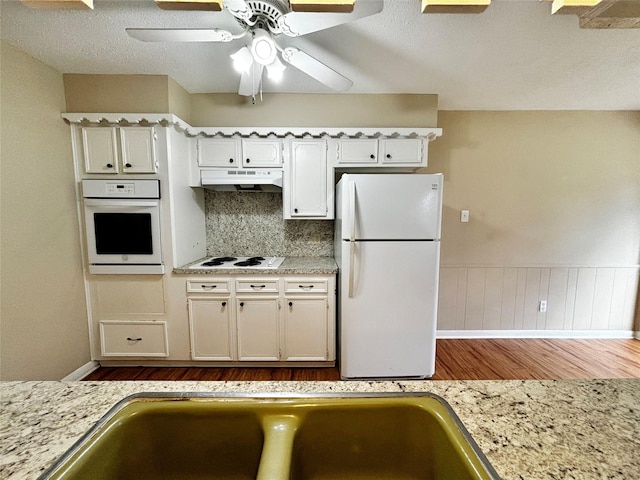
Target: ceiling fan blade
{"points": [[316, 69], [181, 34], [295, 24], [250, 80], [239, 9]]}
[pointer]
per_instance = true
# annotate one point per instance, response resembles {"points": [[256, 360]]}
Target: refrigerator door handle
{"points": [[352, 234], [352, 211], [352, 256]]}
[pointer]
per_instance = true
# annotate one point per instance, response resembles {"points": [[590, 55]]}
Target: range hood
{"points": [[242, 180]]}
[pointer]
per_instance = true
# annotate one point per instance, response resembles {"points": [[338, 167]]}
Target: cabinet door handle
{"points": [[257, 287], [248, 160], [134, 339], [372, 156], [388, 155], [109, 165], [291, 304], [305, 287], [295, 210], [242, 304], [128, 165], [231, 160], [208, 287], [224, 304]]}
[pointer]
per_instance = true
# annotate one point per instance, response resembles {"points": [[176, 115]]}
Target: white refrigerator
{"points": [[387, 246]]}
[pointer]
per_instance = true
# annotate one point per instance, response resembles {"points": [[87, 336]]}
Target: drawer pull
{"points": [[208, 287], [305, 287], [257, 287], [134, 339]]}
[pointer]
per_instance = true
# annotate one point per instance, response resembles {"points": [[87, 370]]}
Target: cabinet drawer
{"points": [[257, 286], [305, 286], [207, 286], [134, 339]]}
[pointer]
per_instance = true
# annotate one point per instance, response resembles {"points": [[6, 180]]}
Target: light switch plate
{"points": [[464, 216]]}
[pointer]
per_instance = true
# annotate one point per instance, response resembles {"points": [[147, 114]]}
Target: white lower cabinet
{"points": [[262, 319], [306, 329], [211, 327], [257, 325]]}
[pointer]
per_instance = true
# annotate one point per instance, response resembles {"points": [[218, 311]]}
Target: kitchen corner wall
{"points": [[42, 305]]}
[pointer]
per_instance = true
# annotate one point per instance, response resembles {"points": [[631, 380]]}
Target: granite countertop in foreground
{"points": [[290, 266], [556, 429]]}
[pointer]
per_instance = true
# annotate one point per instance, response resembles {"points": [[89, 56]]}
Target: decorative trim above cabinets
{"points": [[429, 134]]}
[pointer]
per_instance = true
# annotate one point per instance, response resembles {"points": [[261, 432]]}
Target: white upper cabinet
{"points": [[234, 152], [116, 150], [405, 150], [257, 152], [219, 152], [306, 191], [358, 151], [382, 152]]}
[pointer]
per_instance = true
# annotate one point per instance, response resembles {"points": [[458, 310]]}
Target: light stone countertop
{"points": [[556, 429], [290, 266]]}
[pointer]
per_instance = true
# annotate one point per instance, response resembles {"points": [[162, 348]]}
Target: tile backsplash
{"points": [[249, 223]]}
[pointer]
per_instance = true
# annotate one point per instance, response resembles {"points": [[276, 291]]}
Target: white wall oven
{"points": [[122, 223]]}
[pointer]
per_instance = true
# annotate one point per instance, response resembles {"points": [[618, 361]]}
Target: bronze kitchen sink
{"points": [[281, 437]]}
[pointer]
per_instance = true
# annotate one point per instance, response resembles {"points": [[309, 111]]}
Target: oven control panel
{"points": [[95, 188], [121, 189]]}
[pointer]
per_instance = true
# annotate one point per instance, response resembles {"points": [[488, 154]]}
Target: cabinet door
{"points": [[306, 325], [138, 150], [261, 153], [401, 150], [100, 147], [308, 179], [211, 332], [219, 152], [257, 323], [358, 150]]}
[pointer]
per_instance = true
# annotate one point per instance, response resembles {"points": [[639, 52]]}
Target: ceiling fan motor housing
{"points": [[266, 14]]}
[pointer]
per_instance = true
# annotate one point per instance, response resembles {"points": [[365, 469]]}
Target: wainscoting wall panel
{"points": [[503, 299]]}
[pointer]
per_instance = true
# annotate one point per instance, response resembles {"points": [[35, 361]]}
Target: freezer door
{"points": [[388, 321], [391, 206]]}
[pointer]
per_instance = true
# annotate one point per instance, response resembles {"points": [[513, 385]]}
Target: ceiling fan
{"points": [[262, 21]]}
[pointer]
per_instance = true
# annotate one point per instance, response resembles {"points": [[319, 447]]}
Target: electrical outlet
{"points": [[464, 216], [543, 306]]}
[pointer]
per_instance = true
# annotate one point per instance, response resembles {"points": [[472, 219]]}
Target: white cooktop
{"points": [[234, 262]]}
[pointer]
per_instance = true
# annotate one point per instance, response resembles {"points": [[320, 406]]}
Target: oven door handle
{"points": [[119, 203]]}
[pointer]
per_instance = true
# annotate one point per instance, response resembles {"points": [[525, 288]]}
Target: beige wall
{"points": [[44, 333], [116, 93], [326, 110], [543, 188], [554, 200]]}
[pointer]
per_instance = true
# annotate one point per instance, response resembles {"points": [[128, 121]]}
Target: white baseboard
{"points": [[536, 334], [82, 372], [636, 335]]}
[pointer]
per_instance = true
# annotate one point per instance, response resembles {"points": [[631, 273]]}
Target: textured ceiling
{"points": [[514, 56]]}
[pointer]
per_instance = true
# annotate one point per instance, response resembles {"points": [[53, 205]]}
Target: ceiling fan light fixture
{"points": [[242, 60], [263, 48], [275, 69]]}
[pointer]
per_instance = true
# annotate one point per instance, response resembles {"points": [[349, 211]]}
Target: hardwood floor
{"points": [[481, 359]]}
